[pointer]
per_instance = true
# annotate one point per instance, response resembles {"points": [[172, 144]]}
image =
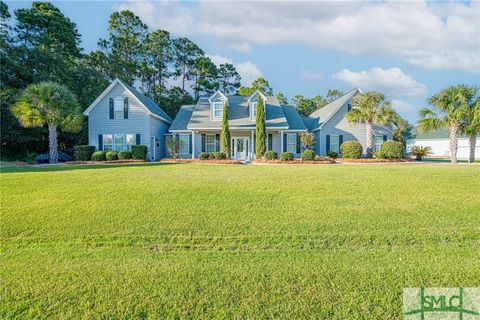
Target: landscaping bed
{"points": [[295, 161], [213, 161], [370, 160]]}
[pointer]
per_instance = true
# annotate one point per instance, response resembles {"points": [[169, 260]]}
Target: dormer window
{"points": [[254, 109], [118, 108], [217, 107]]}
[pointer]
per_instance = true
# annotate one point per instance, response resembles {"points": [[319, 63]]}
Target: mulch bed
{"points": [[370, 160], [295, 161], [170, 160]]}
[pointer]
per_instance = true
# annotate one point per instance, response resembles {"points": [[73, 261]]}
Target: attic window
{"points": [[217, 108], [118, 106], [254, 108]]}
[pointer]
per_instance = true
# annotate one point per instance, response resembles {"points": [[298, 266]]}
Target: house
{"points": [[199, 126], [439, 142], [121, 117]]}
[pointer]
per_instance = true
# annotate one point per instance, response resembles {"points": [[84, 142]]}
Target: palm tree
{"points": [[472, 127], [51, 104], [402, 131], [450, 109], [371, 107]]}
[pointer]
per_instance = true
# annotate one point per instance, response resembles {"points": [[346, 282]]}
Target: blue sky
{"points": [[409, 50]]}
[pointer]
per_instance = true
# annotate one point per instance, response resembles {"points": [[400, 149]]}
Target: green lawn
{"points": [[219, 241]]}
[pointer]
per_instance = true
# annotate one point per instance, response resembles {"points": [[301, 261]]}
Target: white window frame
{"points": [[377, 147], [134, 139], [335, 147], [217, 106], [210, 144], [118, 107], [105, 144], [292, 144], [184, 146], [115, 141], [253, 105]]}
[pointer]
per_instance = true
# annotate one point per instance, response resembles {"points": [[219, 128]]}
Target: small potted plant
{"points": [[420, 152]]}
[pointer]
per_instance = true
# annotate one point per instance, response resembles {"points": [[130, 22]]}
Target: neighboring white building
{"points": [[439, 141]]}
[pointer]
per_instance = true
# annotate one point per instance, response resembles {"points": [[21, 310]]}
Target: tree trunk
{"points": [[370, 138], [473, 143], [454, 142], [52, 143]]}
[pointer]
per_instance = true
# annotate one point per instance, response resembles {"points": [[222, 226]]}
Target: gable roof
{"points": [[326, 112], [152, 108], [294, 119], [182, 118]]}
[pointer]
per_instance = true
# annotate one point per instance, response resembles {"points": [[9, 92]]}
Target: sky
{"points": [[407, 49]]}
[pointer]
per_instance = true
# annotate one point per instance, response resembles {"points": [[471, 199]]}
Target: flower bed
{"points": [[226, 161], [369, 160], [295, 161]]}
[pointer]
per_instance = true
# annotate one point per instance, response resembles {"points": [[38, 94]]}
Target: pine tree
{"points": [[260, 131], [226, 138]]}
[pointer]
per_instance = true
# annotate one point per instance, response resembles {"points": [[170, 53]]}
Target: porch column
{"points": [[193, 144], [281, 142], [252, 146]]}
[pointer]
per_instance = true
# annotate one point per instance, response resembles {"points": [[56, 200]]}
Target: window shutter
{"points": [[284, 142], [217, 143], [190, 143], [298, 142], [328, 143], [111, 108], [125, 108], [340, 140], [384, 137], [177, 138], [137, 139], [203, 142], [100, 142], [270, 142]]}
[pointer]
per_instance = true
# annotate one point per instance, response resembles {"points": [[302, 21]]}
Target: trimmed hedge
{"points": [[332, 154], [286, 156], [99, 156], [123, 155], [212, 156], [351, 149], [204, 156], [308, 155], [83, 152], [139, 152], [111, 155], [392, 149], [270, 155]]}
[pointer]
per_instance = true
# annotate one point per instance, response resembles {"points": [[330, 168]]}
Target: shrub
{"points": [[286, 156], [122, 155], [420, 152], [351, 149], [392, 149], [332, 154], [270, 155], [379, 155], [99, 156], [111, 155], [308, 155], [204, 156], [139, 152], [83, 152], [219, 156]]}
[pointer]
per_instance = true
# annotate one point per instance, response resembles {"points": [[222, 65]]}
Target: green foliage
{"points": [[186, 53], [286, 156], [139, 152], [206, 77], [219, 155], [351, 149], [379, 155], [307, 139], [332, 154], [204, 156], [306, 106], [99, 156], [282, 98], [212, 156], [308, 155], [259, 84], [111, 155], [125, 155], [420, 152], [173, 146], [225, 139], [392, 149], [270, 155], [402, 130], [228, 78], [333, 94], [83, 152], [260, 129]]}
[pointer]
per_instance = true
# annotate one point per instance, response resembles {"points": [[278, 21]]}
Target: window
{"points": [[130, 141], [107, 142], [184, 143], [335, 143], [217, 109], [292, 142], [378, 140], [210, 143], [118, 108], [254, 108], [119, 142]]}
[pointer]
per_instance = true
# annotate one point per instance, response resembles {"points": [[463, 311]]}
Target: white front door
{"points": [[240, 148]]}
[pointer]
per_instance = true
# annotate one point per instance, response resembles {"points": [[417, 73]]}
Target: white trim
{"points": [[193, 144], [218, 92], [339, 107], [108, 89], [255, 93], [236, 128]]}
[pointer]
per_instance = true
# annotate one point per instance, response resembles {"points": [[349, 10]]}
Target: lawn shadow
{"points": [[69, 167]]}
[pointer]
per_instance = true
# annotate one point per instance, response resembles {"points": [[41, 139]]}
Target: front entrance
{"points": [[240, 148]]}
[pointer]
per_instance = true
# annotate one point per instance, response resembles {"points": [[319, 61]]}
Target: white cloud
{"points": [[442, 35], [393, 81], [402, 106], [310, 75], [247, 70]]}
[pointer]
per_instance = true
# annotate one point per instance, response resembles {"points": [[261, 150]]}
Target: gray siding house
{"points": [[121, 117]]}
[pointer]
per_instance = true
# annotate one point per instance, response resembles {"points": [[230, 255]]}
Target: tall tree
{"points": [[50, 104], [260, 130], [450, 108], [370, 108], [259, 84], [402, 130], [333, 94], [173, 99], [228, 78], [205, 75], [186, 53], [306, 106], [472, 125], [124, 46], [226, 137], [282, 98]]}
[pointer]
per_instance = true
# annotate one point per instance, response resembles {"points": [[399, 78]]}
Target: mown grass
{"points": [[214, 241]]}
